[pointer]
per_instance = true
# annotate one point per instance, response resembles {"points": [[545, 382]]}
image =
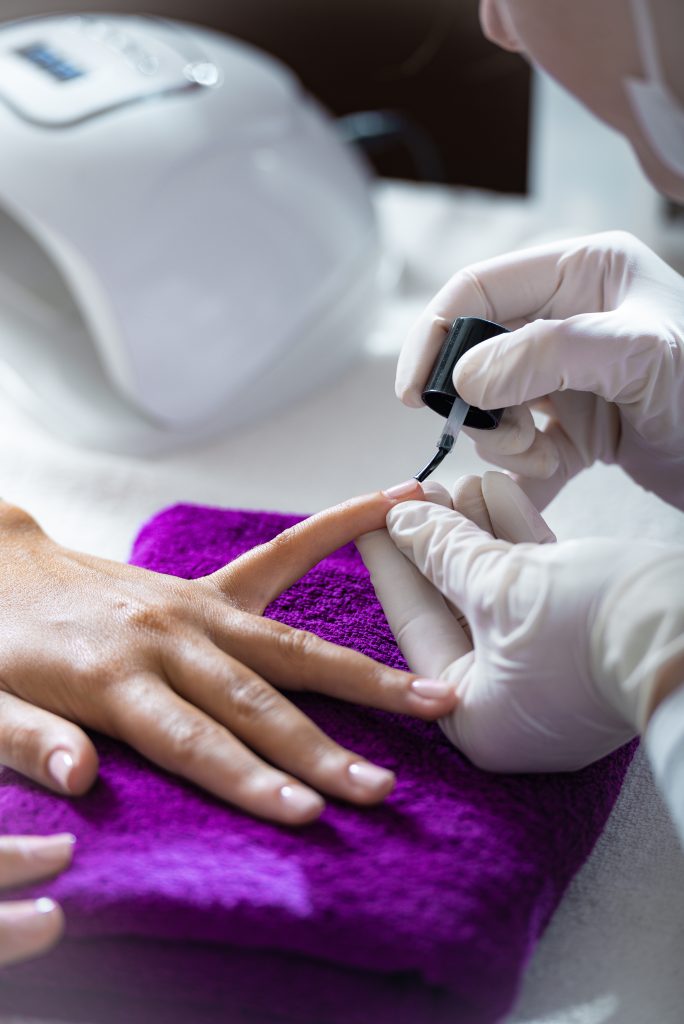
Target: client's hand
{"points": [[187, 672], [29, 927]]}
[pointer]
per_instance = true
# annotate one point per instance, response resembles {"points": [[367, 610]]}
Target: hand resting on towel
{"points": [[187, 671]]}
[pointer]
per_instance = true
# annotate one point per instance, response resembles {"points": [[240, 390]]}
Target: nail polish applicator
{"points": [[441, 396]]}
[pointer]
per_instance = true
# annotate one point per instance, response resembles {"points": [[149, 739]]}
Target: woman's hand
{"points": [[187, 672], [29, 927], [597, 344]]}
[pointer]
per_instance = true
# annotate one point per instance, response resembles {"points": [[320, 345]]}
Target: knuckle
{"points": [[297, 644], [20, 744], [187, 736], [321, 758], [252, 699], [89, 672], [284, 541], [15, 518]]}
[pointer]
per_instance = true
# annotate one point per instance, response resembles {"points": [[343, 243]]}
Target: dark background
{"points": [[426, 59]]}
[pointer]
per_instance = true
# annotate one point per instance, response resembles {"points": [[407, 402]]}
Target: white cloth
{"points": [[639, 630], [664, 741]]}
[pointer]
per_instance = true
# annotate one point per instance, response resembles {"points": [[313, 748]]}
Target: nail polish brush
{"points": [[441, 396]]}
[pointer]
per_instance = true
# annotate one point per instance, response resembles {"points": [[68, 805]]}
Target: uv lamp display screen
{"points": [[45, 58]]}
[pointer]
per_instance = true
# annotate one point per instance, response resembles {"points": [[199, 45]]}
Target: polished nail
{"points": [[26, 912], [60, 766], [45, 848], [432, 689], [403, 490], [44, 905], [301, 801], [370, 776]]}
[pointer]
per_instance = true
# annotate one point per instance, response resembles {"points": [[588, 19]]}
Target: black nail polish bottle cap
{"points": [[439, 393]]}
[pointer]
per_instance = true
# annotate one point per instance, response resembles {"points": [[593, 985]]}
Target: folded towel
{"points": [[424, 910]]}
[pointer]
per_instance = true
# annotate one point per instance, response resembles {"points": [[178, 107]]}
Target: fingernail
{"points": [[370, 776], [44, 905], [403, 490], [301, 801], [25, 912], [432, 689], [45, 848], [60, 765]]}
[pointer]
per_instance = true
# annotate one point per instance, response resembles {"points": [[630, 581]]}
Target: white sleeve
{"points": [[639, 629], [664, 742]]}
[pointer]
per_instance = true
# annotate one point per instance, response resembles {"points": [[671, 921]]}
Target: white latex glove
{"points": [[567, 639], [597, 345]]}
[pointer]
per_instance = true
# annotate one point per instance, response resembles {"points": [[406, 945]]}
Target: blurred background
{"points": [[426, 60]]}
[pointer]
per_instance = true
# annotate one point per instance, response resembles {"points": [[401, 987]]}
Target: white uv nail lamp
{"points": [[185, 244]]}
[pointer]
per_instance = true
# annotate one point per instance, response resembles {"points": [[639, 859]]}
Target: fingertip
{"points": [[409, 395], [436, 493], [29, 928], [53, 915], [468, 499], [85, 771], [72, 766], [514, 435], [299, 805], [540, 461], [408, 489], [432, 698], [467, 375], [371, 784], [468, 484], [513, 515]]}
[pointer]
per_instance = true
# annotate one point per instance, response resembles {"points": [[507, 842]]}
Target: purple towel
{"points": [[422, 911]]}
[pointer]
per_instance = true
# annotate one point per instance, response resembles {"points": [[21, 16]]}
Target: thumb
{"points": [[581, 353], [451, 551]]}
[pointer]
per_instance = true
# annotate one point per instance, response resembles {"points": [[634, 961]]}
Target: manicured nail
{"points": [[44, 905], [370, 776], [45, 848], [26, 912], [403, 490], [301, 801], [60, 766], [432, 689]]}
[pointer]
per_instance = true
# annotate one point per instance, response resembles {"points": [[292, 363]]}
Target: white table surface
{"points": [[613, 951]]}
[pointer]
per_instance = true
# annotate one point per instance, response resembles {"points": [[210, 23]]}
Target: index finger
{"points": [[510, 289], [260, 575]]}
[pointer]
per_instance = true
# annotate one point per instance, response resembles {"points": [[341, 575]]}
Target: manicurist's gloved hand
{"points": [[29, 927], [187, 671], [597, 344], [573, 644]]}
